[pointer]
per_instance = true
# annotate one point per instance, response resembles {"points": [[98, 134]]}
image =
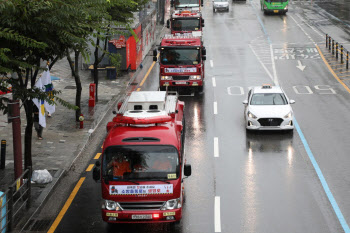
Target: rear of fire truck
{"points": [[181, 62], [186, 22], [142, 165]]}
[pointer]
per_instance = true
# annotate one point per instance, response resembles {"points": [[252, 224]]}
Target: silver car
{"points": [[222, 5], [268, 108]]}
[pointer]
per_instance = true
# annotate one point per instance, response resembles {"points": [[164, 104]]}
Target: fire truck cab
{"points": [[181, 62], [143, 166], [186, 22]]}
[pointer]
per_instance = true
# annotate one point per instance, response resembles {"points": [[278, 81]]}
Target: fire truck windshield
{"points": [[140, 163], [177, 56], [186, 24], [186, 3]]}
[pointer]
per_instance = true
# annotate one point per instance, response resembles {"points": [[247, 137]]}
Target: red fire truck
{"points": [[143, 165], [181, 62], [186, 4], [186, 22]]}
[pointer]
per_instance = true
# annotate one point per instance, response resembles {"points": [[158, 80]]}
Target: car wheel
{"points": [[214, 10]]}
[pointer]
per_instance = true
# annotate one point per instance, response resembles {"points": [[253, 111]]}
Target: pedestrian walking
{"points": [[37, 126]]}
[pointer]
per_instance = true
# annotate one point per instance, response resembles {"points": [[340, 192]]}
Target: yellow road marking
{"points": [[344, 76], [97, 156], [138, 89], [330, 69], [343, 72], [66, 205], [90, 167], [148, 72], [337, 65]]}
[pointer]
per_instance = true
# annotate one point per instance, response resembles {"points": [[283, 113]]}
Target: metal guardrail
{"points": [[16, 197], [337, 50]]}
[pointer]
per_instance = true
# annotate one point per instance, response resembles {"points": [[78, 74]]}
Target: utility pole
{"points": [[14, 117]]}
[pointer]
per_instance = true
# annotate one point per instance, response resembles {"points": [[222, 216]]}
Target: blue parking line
{"points": [[261, 23], [323, 180]]}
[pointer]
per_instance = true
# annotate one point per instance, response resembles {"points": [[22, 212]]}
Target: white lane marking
{"points": [[312, 27], [211, 63], [216, 147], [215, 108], [214, 82], [302, 29], [263, 65], [217, 219], [275, 79], [300, 66]]}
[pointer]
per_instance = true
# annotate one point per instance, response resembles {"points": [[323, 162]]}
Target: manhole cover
{"points": [[70, 87]]}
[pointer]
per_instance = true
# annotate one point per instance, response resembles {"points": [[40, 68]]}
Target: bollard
{"points": [[347, 60], [329, 43], [332, 47], [81, 119], [3, 154], [336, 50], [341, 54], [326, 40]]}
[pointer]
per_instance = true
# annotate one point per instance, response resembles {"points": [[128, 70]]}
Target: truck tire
{"points": [[162, 88], [214, 10]]}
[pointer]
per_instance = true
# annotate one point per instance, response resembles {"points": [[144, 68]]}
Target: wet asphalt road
{"points": [[265, 181]]}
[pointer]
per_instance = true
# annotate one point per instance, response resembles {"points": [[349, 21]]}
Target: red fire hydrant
{"points": [[81, 119]]}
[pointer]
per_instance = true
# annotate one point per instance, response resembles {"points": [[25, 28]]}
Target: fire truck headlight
{"points": [[195, 77], [166, 78], [172, 204], [111, 205]]}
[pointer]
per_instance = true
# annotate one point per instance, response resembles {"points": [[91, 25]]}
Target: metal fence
{"points": [[337, 50], [14, 200]]}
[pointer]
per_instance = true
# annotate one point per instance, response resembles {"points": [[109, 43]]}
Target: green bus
{"points": [[274, 6]]}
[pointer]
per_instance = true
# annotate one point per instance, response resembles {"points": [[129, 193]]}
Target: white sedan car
{"points": [[268, 108], [222, 5]]}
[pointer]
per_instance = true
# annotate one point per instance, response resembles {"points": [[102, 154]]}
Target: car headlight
{"points": [[172, 204], [251, 115], [195, 77], [286, 8], [166, 78], [111, 205], [289, 115], [265, 7]]}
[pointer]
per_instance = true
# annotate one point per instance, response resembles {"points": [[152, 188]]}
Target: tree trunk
{"points": [[95, 66], [75, 71], [28, 106]]}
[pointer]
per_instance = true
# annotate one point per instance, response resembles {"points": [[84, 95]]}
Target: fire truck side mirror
{"points": [[172, 3], [202, 3], [187, 170], [204, 51], [96, 171], [204, 57], [168, 23], [155, 53], [202, 23]]}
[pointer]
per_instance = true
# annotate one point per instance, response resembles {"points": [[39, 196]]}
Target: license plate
{"points": [[181, 82], [275, 11], [142, 216]]}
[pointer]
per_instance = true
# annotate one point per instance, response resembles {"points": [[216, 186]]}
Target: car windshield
{"points": [[186, 24], [186, 3], [175, 56], [268, 99], [122, 163]]}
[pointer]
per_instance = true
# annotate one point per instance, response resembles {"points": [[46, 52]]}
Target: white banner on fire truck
{"points": [[140, 189], [180, 70]]}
